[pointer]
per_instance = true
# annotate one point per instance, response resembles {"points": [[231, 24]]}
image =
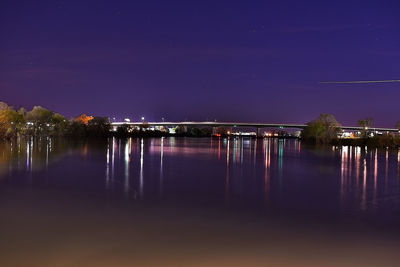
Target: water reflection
{"points": [[364, 190], [108, 166], [161, 167], [227, 186], [398, 163], [141, 169], [127, 162], [372, 169], [280, 157], [27, 154], [282, 173], [267, 153]]}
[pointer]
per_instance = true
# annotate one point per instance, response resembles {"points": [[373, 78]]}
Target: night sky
{"points": [[196, 60]]}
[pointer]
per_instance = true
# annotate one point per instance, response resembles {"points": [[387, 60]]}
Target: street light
{"points": [[142, 119]]}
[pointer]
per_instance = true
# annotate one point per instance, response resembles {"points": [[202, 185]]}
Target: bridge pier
{"points": [[259, 132], [214, 130]]}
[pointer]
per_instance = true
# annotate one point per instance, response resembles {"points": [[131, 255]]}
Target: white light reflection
{"points": [[255, 152], [27, 155], [47, 152], [127, 160], [10, 165], [387, 170], [267, 165], [141, 169], [227, 171], [375, 178], [364, 190], [357, 162], [108, 165], [241, 151], [31, 152], [350, 162], [280, 159], [161, 167], [343, 171], [398, 157], [375, 172], [398, 163], [114, 143], [234, 150]]}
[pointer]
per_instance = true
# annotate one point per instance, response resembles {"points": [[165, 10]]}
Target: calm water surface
{"points": [[60, 198]]}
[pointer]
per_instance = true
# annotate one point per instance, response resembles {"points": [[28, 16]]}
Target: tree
{"points": [[11, 122], [195, 132], [179, 130], [322, 130], [365, 124], [4, 106], [123, 130], [99, 127], [22, 111], [39, 115], [84, 119], [76, 129], [144, 126], [398, 125], [59, 124], [41, 119]]}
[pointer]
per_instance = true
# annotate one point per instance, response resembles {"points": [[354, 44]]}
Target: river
{"points": [[197, 202]]}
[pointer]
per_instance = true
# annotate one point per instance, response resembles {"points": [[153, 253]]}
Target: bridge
{"points": [[243, 125]]}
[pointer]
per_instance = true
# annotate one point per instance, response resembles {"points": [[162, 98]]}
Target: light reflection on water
{"points": [[270, 173], [369, 174]]}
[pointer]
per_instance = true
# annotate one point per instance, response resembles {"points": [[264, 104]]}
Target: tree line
{"points": [[43, 122], [326, 130]]}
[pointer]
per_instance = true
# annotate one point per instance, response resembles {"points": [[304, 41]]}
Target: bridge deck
{"points": [[243, 124]]}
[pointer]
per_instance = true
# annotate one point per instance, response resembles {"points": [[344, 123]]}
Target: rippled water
{"points": [[204, 180]]}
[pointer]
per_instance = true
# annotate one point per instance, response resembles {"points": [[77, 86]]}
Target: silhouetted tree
{"points": [[365, 124], [76, 129], [195, 132], [99, 127], [60, 125], [122, 130], [322, 130]]}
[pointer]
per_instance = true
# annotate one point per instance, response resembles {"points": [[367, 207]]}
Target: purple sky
{"points": [[198, 60]]}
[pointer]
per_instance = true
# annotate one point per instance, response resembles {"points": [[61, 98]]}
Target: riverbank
{"points": [[384, 141]]}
